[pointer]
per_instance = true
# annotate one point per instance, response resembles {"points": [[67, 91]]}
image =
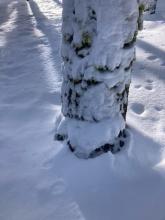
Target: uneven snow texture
{"points": [[39, 178], [98, 52]]}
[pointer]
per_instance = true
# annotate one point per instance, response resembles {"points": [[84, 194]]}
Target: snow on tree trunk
{"points": [[98, 53], [145, 5], [149, 5]]}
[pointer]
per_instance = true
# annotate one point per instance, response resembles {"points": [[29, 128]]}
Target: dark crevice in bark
{"points": [[103, 69], [131, 43], [68, 38], [70, 146], [122, 98], [69, 96], [89, 82], [130, 65], [82, 50], [92, 14], [60, 137]]}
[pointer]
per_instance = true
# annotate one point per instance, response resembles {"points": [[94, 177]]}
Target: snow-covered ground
{"points": [[39, 178]]}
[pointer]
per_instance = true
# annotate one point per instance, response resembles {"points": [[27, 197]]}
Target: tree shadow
{"points": [[154, 53], [50, 32], [151, 49], [158, 72], [5, 12], [23, 62]]}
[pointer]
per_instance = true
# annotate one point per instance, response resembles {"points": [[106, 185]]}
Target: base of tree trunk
{"points": [[119, 142], [113, 148]]}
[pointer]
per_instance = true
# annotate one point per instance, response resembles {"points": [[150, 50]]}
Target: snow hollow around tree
{"points": [[40, 179]]}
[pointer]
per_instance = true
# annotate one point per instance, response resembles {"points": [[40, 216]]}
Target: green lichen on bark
{"points": [[86, 40]]}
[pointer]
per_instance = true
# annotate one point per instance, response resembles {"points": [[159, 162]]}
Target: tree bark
{"points": [[98, 53], [152, 6], [149, 5]]}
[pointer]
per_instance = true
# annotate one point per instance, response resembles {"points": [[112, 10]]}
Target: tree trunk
{"points": [[152, 6], [149, 5], [145, 6], [98, 53]]}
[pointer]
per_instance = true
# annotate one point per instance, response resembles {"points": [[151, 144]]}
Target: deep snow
{"points": [[39, 178]]}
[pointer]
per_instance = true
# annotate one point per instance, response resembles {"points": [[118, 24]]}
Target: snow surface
{"points": [[39, 178]]}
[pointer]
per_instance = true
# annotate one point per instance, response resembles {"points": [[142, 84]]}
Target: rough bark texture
{"points": [[151, 6], [148, 5], [145, 6], [98, 53]]}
